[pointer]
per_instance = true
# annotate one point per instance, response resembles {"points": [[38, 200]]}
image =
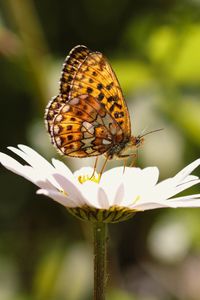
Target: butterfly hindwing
{"points": [[84, 128]]}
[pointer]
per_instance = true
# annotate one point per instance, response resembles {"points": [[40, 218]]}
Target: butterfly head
{"points": [[135, 142], [139, 140]]}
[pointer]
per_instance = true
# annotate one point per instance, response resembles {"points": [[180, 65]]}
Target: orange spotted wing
{"points": [[89, 116]]}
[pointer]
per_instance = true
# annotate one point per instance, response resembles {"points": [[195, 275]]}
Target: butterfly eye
{"points": [[138, 140]]}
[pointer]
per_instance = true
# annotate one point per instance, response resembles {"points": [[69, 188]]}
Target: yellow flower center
{"points": [[85, 178]]}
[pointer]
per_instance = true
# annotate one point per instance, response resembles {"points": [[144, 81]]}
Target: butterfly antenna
{"points": [[149, 132], [144, 130]]}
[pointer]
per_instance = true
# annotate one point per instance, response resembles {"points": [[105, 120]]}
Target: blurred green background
{"points": [[154, 47]]}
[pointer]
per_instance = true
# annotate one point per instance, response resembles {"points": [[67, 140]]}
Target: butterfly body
{"points": [[125, 149], [89, 117]]}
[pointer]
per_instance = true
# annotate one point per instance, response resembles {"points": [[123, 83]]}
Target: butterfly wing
{"points": [[87, 82], [84, 128], [66, 84], [87, 72]]}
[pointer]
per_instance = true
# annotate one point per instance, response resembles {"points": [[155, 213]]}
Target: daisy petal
{"points": [[31, 157], [150, 175], [58, 197], [62, 169], [184, 198], [11, 164], [187, 170], [191, 203], [103, 199], [25, 171], [133, 189], [119, 195], [152, 205], [69, 188], [183, 187], [84, 172], [116, 174], [90, 192]]}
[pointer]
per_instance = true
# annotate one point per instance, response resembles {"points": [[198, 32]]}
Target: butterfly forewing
{"points": [[87, 72], [89, 116], [71, 67]]}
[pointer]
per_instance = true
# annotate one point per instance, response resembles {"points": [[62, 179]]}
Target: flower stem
{"points": [[100, 252]]}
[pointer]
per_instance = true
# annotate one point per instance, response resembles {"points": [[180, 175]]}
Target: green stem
{"points": [[100, 252]]}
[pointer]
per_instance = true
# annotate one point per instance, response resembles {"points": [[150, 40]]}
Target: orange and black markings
{"points": [[89, 117]]}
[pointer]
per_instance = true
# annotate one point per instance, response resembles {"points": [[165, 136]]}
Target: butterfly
{"points": [[89, 117]]}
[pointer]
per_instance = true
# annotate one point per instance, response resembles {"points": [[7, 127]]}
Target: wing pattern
{"points": [[89, 116]]}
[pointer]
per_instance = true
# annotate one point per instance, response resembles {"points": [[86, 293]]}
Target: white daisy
{"points": [[115, 197]]}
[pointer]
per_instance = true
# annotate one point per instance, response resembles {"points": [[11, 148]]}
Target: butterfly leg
{"points": [[133, 163], [135, 155], [95, 167], [125, 161], [127, 156], [103, 167]]}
